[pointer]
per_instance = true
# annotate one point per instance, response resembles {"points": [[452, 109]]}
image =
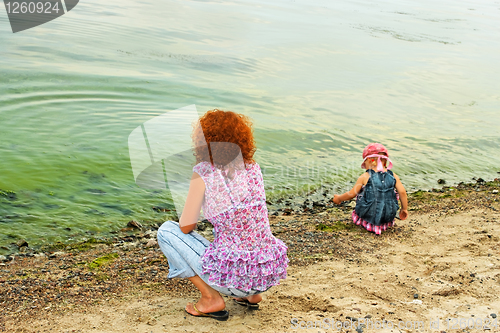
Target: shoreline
{"points": [[283, 206], [82, 276]]}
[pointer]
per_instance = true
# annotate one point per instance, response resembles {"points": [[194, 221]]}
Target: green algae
{"points": [[105, 259]]}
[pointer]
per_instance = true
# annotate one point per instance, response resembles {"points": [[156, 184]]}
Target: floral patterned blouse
{"points": [[244, 254]]}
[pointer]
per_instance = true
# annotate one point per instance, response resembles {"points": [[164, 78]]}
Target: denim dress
{"points": [[377, 203]]}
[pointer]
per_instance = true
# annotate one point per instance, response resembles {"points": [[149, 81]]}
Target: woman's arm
{"points": [[403, 197], [362, 180], [192, 208]]}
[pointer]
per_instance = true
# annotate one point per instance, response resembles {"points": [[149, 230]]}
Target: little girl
{"points": [[376, 201]]}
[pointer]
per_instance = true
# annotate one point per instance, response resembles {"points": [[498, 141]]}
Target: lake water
{"points": [[320, 79]]}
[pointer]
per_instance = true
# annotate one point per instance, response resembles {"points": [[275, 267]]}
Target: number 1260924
{"points": [[39, 7]]}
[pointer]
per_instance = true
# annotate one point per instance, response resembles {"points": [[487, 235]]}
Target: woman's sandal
{"points": [[244, 302], [219, 315]]}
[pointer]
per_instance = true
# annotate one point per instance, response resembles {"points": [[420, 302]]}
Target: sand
{"points": [[440, 263]]}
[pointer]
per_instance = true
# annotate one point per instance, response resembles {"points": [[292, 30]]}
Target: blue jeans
{"points": [[184, 251]]}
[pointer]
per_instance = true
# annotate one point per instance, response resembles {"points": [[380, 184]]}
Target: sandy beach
{"points": [[443, 262]]}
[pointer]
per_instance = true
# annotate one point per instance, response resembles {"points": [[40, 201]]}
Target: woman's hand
{"points": [[403, 214], [336, 199]]}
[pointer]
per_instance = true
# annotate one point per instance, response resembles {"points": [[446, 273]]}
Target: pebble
{"points": [[56, 254], [495, 192], [151, 243], [415, 295], [22, 243], [493, 315], [129, 246], [134, 224], [151, 233], [3, 258]]}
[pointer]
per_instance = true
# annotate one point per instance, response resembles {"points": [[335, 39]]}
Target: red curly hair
{"points": [[224, 126]]}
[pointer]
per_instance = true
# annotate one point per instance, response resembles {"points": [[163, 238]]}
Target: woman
{"points": [[245, 259]]}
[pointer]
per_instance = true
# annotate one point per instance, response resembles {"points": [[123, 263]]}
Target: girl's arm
{"points": [[362, 180], [192, 208], [403, 213]]}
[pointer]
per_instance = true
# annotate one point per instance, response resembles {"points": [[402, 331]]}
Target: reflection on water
{"points": [[320, 80]]}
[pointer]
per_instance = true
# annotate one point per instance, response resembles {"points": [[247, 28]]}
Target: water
{"points": [[320, 80]]}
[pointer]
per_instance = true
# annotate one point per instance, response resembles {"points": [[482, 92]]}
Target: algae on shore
{"points": [[105, 259]]}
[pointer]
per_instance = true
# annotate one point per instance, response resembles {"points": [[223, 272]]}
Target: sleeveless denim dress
{"points": [[377, 203]]}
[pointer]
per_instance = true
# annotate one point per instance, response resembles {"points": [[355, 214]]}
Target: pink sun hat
{"points": [[373, 150]]}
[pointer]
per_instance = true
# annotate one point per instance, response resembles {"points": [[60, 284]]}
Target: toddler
{"points": [[376, 192]]}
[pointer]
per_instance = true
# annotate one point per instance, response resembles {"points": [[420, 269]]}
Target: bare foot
{"points": [[207, 305], [254, 299]]}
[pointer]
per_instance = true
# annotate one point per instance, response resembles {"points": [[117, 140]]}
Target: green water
{"points": [[319, 80]]}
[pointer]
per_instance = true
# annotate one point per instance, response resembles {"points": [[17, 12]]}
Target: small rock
{"points": [[56, 254], [3, 258], [368, 316], [40, 255], [493, 315], [22, 243], [128, 246], [480, 180], [495, 192], [201, 226], [160, 209], [441, 181], [415, 295], [134, 224], [352, 204], [151, 243]]}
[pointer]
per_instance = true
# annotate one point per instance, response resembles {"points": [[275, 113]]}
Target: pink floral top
{"points": [[244, 254]]}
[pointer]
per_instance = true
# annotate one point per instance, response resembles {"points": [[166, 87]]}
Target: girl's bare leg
{"points": [[210, 301]]}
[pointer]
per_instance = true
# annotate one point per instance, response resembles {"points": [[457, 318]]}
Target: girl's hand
{"points": [[403, 214], [336, 199]]}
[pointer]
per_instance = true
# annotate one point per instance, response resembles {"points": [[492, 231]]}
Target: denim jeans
{"points": [[184, 251]]}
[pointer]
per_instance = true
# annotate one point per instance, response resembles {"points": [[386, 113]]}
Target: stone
{"points": [[415, 295], [493, 315], [3, 258], [22, 243], [151, 243], [134, 224], [128, 246], [151, 233], [56, 254]]}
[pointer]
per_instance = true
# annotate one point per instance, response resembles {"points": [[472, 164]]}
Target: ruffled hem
{"points": [[377, 229], [246, 270], [246, 283]]}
